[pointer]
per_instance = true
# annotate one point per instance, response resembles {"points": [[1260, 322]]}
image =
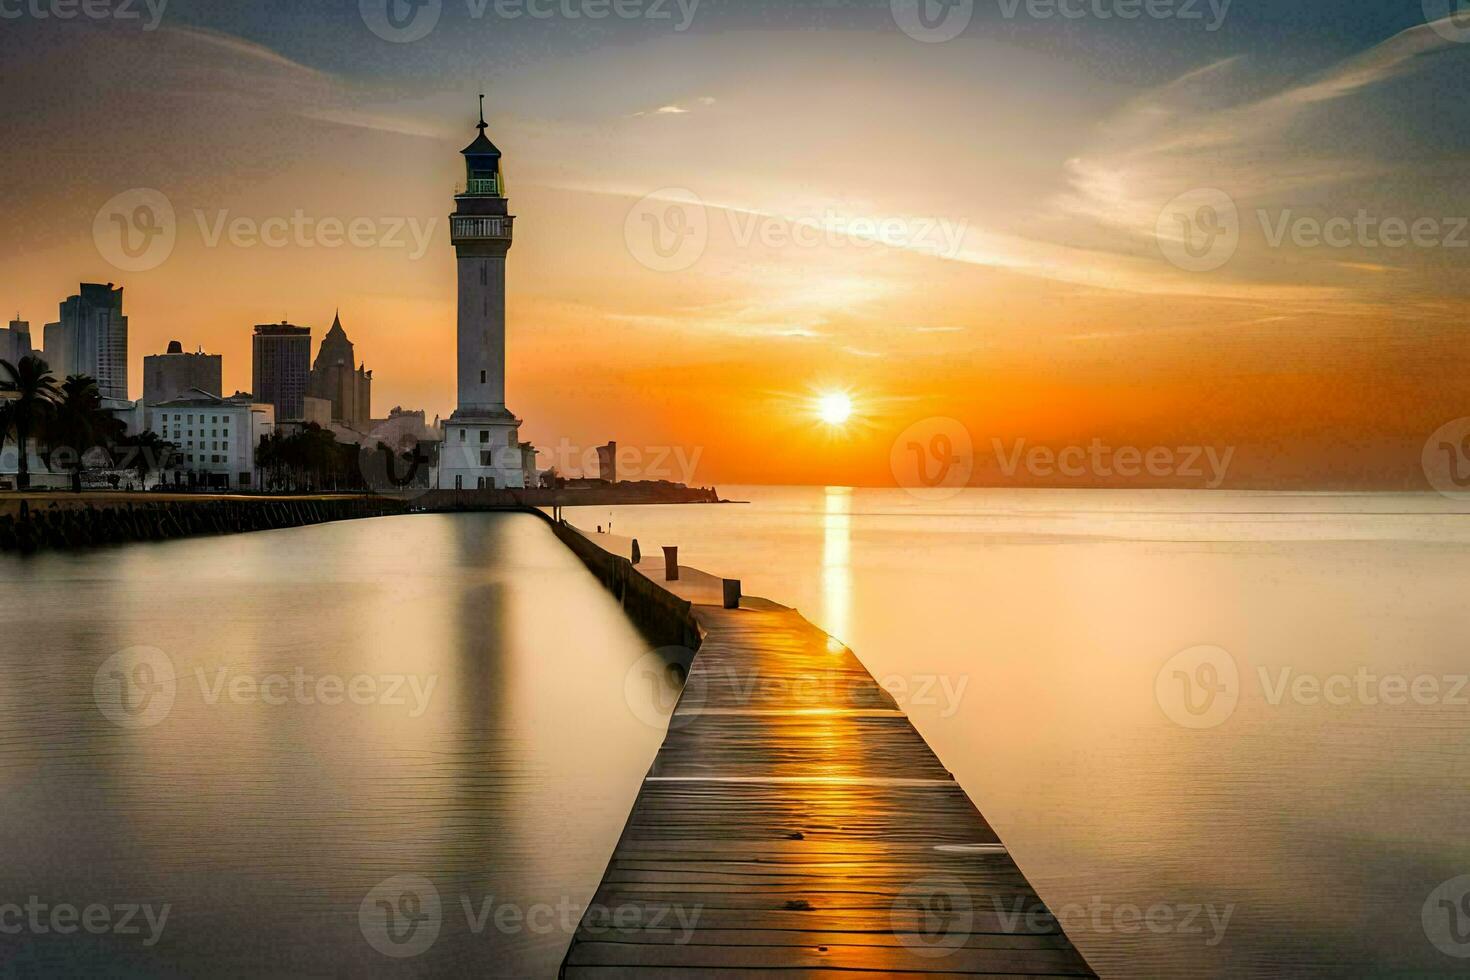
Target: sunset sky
{"points": [[966, 229]]}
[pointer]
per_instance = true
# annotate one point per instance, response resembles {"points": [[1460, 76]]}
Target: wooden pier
{"points": [[794, 820]]}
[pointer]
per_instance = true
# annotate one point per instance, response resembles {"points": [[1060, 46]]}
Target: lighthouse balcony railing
{"points": [[468, 227], [479, 187]]}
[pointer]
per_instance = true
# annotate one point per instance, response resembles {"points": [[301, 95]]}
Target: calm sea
{"points": [[398, 736], [1221, 733]]}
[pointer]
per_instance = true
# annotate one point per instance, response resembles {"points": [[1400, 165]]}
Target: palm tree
{"points": [[7, 421], [80, 424], [36, 394]]}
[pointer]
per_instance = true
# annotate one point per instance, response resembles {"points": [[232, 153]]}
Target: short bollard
{"points": [[637, 555], [732, 593], [671, 563]]}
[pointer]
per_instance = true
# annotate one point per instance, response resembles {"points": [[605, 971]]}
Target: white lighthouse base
{"points": [[482, 454]]}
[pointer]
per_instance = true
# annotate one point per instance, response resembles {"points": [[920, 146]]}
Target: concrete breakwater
{"points": [[662, 617], [32, 528]]}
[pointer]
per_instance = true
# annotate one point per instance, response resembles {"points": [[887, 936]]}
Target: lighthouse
{"points": [[482, 448]]}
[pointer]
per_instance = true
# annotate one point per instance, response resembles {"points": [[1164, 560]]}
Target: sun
{"points": [[835, 408]]}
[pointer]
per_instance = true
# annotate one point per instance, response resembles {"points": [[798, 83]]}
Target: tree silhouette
{"points": [[32, 408]]}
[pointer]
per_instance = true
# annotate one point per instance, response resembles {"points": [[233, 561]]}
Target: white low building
{"points": [[214, 438]]}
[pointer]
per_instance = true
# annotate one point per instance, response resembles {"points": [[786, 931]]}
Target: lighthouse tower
{"points": [[482, 448]]}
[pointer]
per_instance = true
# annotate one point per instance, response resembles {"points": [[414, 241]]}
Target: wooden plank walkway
{"points": [[795, 820]]}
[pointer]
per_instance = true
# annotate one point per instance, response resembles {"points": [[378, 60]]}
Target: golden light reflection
{"points": [[837, 560]]}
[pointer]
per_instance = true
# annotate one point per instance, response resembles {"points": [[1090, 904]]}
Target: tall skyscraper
{"points": [[336, 378], [91, 338], [282, 367], [482, 447], [15, 341], [169, 376]]}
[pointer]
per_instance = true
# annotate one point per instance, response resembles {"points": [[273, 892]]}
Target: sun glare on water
{"points": [[834, 408]]}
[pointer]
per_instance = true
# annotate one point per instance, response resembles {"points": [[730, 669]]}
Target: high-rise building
{"points": [[15, 341], [482, 447], [336, 377], [607, 462], [91, 338], [169, 376], [282, 367]]}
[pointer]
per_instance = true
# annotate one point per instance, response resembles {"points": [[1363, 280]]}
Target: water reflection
{"points": [[837, 560], [433, 696]]}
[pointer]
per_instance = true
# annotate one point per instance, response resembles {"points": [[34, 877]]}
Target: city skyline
{"points": [[1024, 288]]}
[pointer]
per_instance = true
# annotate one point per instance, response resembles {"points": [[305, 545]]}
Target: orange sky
{"points": [[1019, 284]]}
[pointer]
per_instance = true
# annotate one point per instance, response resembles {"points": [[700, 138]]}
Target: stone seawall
{"points": [[663, 618], [34, 528]]}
